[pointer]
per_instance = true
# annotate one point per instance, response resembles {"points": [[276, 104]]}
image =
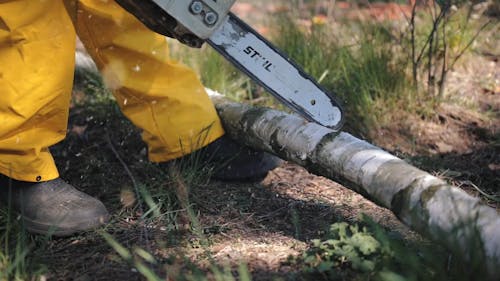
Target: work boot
{"points": [[231, 161], [52, 207]]}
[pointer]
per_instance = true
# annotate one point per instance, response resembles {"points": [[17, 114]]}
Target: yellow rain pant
{"points": [[37, 44]]}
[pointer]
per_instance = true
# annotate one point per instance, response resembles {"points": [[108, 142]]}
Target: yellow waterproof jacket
{"points": [[37, 44]]}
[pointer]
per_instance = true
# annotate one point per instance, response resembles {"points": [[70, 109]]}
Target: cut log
{"points": [[427, 204]]}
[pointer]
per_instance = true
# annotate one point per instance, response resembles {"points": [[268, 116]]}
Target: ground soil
{"points": [[260, 224]]}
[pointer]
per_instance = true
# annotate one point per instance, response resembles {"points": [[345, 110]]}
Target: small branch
{"points": [[490, 197], [435, 25], [460, 54], [444, 69], [430, 55], [144, 230], [467, 20], [124, 165], [413, 46]]}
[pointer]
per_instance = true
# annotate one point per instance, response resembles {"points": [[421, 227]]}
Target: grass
{"points": [[146, 263], [18, 260], [364, 74], [216, 73]]}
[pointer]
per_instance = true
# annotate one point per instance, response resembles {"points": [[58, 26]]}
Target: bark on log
{"points": [[426, 204]]}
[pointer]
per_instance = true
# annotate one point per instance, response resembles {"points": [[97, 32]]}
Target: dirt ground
{"points": [[260, 224]]}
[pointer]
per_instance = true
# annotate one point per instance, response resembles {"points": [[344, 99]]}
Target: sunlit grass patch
{"points": [[174, 268], [361, 70]]}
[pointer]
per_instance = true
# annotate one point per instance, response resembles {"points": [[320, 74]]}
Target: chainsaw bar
{"points": [[282, 78]]}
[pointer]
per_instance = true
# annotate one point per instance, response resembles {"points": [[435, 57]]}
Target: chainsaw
{"points": [[194, 22]]}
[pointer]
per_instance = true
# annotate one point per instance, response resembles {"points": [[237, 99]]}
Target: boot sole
{"points": [[51, 230]]}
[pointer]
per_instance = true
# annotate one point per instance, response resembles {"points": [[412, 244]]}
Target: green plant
{"points": [[16, 260], [367, 251]]}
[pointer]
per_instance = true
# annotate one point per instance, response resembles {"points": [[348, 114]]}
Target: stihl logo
{"points": [[254, 54]]}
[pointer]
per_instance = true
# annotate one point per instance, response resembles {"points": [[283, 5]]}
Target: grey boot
{"points": [[52, 207], [233, 162]]}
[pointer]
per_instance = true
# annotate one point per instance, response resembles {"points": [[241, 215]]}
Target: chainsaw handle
{"points": [[159, 21]]}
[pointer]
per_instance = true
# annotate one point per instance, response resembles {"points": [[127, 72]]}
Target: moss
{"points": [[251, 116], [414, 216], [428, 193], [327, 139], [275, 144], [400, 201]]}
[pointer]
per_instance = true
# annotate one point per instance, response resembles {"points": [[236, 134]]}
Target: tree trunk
{"points": [[428, 205]]}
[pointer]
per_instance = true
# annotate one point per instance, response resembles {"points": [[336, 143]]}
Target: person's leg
{"points": [[37, 42], [159, 95], [36, 73]]}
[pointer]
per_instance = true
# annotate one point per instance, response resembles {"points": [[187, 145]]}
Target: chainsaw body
{"points": [[194, 22], [191, 22]]}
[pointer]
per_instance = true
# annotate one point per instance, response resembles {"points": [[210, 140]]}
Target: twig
{"points": [[467, 21], [444, 68], [491, 197], [460, 54], [435, 25], [124, 165], [413, 46], [144, 231], [413, 7]]}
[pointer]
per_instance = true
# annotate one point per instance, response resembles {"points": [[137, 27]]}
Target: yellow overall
{"points": [[37, 44]]}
